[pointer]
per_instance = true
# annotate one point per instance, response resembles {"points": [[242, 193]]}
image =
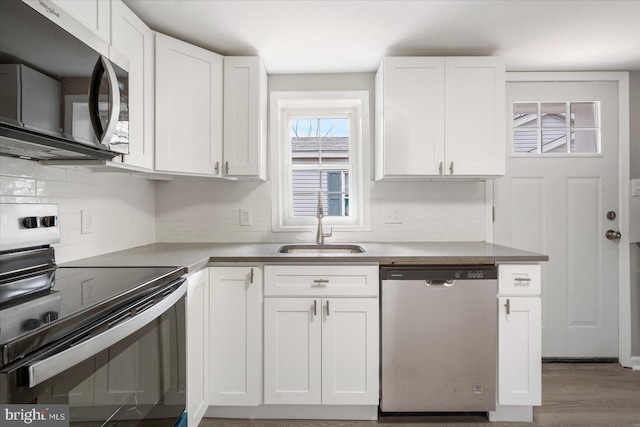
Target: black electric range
{"points": [[74, 298]]}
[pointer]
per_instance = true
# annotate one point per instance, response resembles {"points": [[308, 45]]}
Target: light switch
{"points": [[635, 187]]}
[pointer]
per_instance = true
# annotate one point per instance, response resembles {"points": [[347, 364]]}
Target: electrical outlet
{"points": [[86, 220], [393, 215], [245, 217]]}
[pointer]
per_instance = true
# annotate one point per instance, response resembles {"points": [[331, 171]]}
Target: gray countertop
{"points": [[194, 256]]}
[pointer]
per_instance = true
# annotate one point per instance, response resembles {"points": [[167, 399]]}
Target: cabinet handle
{"points": [[226, 168], [508, 306], [315, 307], [440, 168], [251, 278], [451, 168], [217, 168], [327, 308], [320, 282]]}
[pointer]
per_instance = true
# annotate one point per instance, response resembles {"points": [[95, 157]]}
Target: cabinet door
{"points": [[292, 341], [197, 345], [474, 116], [132, 37], [350, 366], [519, 351], [245, 117], [410, 117], [188, 108], [93, 14], [236, 335]]}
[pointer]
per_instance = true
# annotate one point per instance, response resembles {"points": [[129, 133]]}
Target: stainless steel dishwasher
{"points": [[439, 338]]}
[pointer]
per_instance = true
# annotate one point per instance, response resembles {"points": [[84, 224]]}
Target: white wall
{"points": [[123, 206], [201, 210]]}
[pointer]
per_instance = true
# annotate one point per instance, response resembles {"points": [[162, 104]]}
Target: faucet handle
{"points": [[329, 233]]}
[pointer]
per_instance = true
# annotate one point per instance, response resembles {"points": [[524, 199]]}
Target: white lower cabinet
{"points": [[519, 342], [519, 351], [235, 361], [197, 345], [321, 351], [320, 340]]}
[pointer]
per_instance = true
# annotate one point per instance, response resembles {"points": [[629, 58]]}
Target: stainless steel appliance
{"points": [[59, 98], [439, 329], [107, 342]]}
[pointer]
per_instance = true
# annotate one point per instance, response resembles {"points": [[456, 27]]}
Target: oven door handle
{"points": [[45, 369]]}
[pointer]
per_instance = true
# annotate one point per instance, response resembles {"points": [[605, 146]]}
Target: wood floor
{"points": [[573, 395]]}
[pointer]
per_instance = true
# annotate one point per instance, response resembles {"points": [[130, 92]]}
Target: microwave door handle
{"points": [[45, 369], [103, 65]]}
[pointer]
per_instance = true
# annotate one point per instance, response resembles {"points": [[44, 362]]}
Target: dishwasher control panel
{"points": [[452, 272]]}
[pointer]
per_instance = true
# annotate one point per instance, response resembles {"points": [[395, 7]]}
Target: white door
{"points": [[519, 367], [350, 366], [555, 202], [236, 335], [292, 351]]}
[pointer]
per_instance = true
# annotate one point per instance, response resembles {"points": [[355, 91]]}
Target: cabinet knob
{"points": [[217, 168]]}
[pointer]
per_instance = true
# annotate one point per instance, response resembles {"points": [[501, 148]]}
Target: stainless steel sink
{"points": [[320, 249]]}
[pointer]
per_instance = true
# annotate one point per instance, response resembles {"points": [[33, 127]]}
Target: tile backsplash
{"points": [[122, 205], [209, 211], [130, 211]]}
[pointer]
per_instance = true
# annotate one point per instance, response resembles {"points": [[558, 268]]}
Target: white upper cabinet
{"points": [[93, 14], [131, 37], [440, 117], [245, 117], [189, 90], [409, 117], [474, 112]]}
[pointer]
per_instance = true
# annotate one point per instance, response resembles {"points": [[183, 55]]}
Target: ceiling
{"points": [[328, 36]]}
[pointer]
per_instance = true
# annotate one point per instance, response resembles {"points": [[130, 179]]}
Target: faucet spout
{"points": [[320, 234]]}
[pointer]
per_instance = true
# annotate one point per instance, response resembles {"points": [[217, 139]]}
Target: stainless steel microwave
{"points": [[60, 97]]}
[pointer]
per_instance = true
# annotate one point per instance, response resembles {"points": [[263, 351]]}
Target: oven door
{"points": [[127, 369]]}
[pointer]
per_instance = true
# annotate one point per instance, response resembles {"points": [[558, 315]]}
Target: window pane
{"points": [[584, 114], [525, 115], [332, 183], [525, 141], [554, 141], [584, 141], [320, 141], [554, 114]]}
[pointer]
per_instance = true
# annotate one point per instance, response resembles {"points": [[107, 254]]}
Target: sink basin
{"points": [[320, 249]]}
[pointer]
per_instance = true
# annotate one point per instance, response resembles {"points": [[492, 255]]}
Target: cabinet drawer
{"points": [[519, 279], [321, 280]]}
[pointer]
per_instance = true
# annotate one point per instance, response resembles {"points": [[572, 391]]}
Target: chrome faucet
{"points": [[320, 234]]}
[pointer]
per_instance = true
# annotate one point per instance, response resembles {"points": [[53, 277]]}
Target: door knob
{"points": [[613, 235]]}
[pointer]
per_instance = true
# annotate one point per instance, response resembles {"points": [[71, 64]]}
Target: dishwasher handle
{"points": [[439, 282]]}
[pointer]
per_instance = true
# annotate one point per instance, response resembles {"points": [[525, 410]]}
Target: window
{"points": [[556, 128], [318, 158]]}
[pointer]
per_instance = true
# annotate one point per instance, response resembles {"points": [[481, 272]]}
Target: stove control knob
{"points": [[49, 316], [30, 222], [49, 221], [30, 324]]}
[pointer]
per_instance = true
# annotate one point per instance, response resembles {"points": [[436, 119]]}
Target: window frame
{"points": [[287, 105]]}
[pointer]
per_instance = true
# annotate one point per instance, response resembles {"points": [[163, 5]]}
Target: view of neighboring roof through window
{"points": [[320, 163], [556, 127]]}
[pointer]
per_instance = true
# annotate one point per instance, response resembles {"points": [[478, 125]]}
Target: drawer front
{"points": [[519, 279], [321, 280]]}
